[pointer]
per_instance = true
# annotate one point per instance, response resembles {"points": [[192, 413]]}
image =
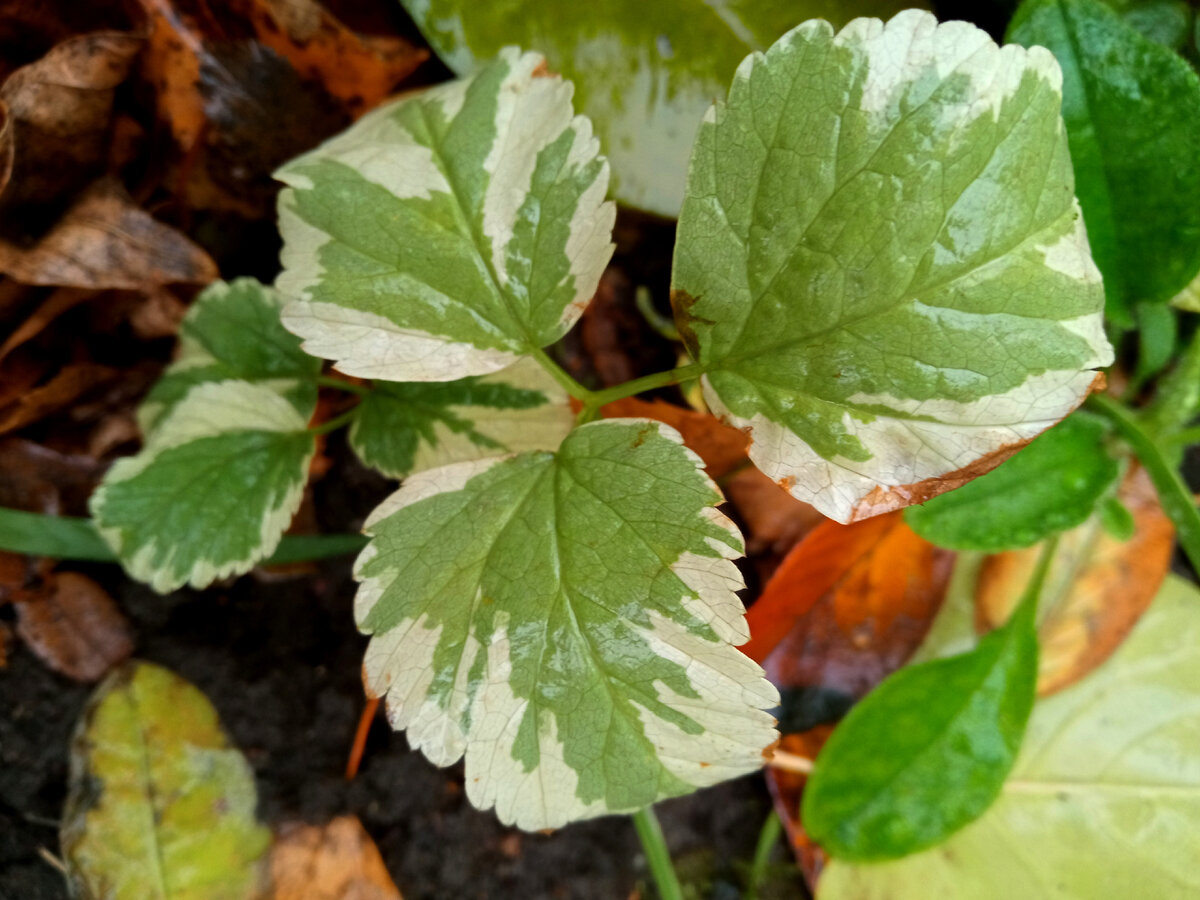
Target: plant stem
{"points": [[336, 422], [1174, 495], [646, 383], [568, 384], [339, 385], [767, 839], [1182, 438], [658, 857]]}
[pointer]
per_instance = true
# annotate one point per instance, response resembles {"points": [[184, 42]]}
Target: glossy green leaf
{"points": [[566, 622], [1104, 800], [1050, 486], [927, 751], [159, 805], [1166, 22], [645, 72], [213, 489], [1132, 109], [878, 289], [450, 232], [233, 331], [405, 428]]}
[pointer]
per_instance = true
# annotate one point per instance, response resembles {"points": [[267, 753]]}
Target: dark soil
{"points": [[280, 658]]}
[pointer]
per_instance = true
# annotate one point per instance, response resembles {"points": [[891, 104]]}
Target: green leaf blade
{"points": [[212, 491], [878, 290], [1108, 772], [927, 751], [232, 331], [449, 232], [1050, 486], [405, 428], [565, 622], [1130, 110], [159, 805]]}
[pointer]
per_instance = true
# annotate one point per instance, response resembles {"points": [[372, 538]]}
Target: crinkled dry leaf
{"points": [[336, 861], [54, 305], [73, 625], [105, 241], [55, 134], [1098, 588]]}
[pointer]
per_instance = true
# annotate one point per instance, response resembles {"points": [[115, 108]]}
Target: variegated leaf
{"points": [[566, 621], [213, 489], [405, 428], [233, 331], [880, 261], [450, 232], [645, 72]]}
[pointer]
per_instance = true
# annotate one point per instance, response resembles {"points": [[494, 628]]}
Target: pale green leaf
{"points": [[645, 72], [566, 621], [449, 232], [213, 489], [405, 428], [1188, 299], [880, 262], [1050, 486], [1132, 109], [233, 331], [1104, 801], [159, 805]]}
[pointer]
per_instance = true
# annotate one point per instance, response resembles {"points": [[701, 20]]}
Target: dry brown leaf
{"points": [[848, 606], [54, 305], [1097, 589], [73, 626], [774, 519], [105, 241], [721, 447], [5, 643], [357, 71], [72, 382], [338, 861], [55, 134]]}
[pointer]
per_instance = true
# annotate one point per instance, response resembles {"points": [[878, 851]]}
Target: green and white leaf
{"points": [[213, 489], [1131, 109], [406, 428], [1050, 486], [880, 262], [1104, 800], [232, 330], [644, 72], [449, 232], [566, 621], [159, 805]]}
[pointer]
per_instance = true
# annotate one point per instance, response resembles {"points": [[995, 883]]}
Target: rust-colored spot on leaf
{"points": [[888, 499]]}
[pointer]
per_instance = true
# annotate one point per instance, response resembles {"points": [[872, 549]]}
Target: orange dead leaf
{"points": [[357, 71], [1097, 589], [721, 447], [872, 573], [338, 861], [786, 790], [72, 624]]}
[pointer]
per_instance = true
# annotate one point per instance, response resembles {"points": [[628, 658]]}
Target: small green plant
{"points": [[881, 273]]}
